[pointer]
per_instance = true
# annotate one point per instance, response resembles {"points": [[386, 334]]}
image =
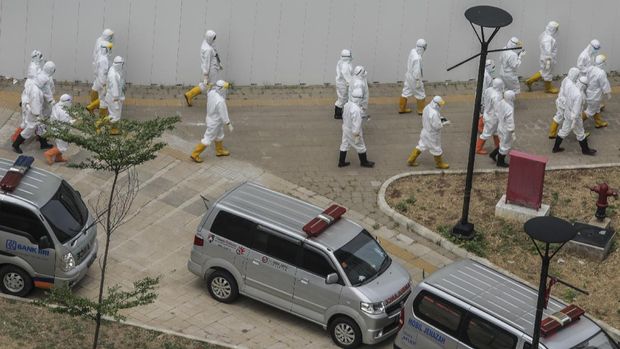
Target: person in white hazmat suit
{"points": [[34, 111], [587, 56], [489, 70], [209, 64], [115, 94], [414, 86], [509, 62], [217, 117], [505, 128], [352, 130], [344, 69], [102, 65], [49, 68], [108, 37], [358, 80], [548, 58], [34, 68], [560, 101], [60, 114], [491, 98], [598, 85], [430, 135], [575, 96]]}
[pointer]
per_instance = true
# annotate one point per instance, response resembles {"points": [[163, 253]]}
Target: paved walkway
{"points": [[286, 139]]}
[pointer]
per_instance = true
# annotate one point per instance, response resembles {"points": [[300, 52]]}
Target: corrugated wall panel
{"points": [[139, 54], [166, 42], [14, 55]]}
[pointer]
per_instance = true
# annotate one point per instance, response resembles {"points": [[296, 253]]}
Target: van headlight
{"points": [[373, 308], [68, 262]]}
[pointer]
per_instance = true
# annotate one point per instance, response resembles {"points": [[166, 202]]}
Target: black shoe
{"points": [[556, 145], [341, 160], [493, 154], [585, 149], [337, 112], [501, 161], [16, 145], [364, 161], [44, 144]]}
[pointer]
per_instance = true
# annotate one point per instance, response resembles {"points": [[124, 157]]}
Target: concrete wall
{"points": [[287, 41]]}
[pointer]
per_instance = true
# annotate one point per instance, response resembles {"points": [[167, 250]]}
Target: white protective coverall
{"points": [[115, 89], [598, 84], [352, 131], [343, 78], [587, 56], [358, 81], [102, 65], [548, 50], [34, 68], [108, 36], [414, 86], [560, 102], [34, 105], [509, 62], [506, 125], [430, 135], [49, 68], [217, 114], [209, 58], [489, 70], [59, 114], [575, 97], [491, 98]]}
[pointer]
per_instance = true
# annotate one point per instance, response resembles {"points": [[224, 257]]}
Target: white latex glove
{"points": [[514, 136], [445, 122], [230, 127], [522, 54], [418, 83], [203, 86], [608, 95], [548, 64], [356, 138]]}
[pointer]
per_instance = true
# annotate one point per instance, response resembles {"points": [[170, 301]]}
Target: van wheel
{"points": [[222, 286], [345, 332], [15, 281]]}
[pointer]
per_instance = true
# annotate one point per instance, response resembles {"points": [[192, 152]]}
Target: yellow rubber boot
{"points": [[598, 121], [94, 95], [93, 105], [403, 106], [189, 95], [114, 131], [584, 116], [549, 88], [103, 112], [196, 153], [553, 130], [414, 155], [440, 164], [529, 82], [480, 147], [220, 150], [420, 105], [101, 122]]}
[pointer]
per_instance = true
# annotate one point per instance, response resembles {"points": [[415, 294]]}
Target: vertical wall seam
{"points": [[52, 26], [400, 44], [326, 52], [128, 31], [176, 71], [253, 41], [77, 36], [230, 16], [377, 32], [153, 44], [24, 62], [278, 40]]}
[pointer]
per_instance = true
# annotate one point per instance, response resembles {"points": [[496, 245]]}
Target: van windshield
{"points": [[66, 213], [599, 341], [362, 259]]}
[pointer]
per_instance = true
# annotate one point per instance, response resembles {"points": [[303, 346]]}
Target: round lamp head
{"points": [[550, 229], [488, 16]]}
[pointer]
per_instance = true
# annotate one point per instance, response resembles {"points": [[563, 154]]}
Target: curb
{"points": [[429, 234], [143, 326]]}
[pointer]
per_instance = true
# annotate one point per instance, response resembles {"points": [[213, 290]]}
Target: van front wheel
{"points": [[345, 332], [222, 286], [15, 281]]}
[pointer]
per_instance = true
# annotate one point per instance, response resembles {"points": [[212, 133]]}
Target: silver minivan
{"points": [[469, 305], [252, 242], [47, 238]]}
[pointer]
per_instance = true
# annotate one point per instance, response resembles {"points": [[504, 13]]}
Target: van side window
{"points": [[438, 312], [234, 228], [276, 247], [21, 221], [316, 263], [481, 334]]}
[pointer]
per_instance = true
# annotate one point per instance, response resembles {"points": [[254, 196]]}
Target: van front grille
{"points": [[397, 305], [81, 255]]}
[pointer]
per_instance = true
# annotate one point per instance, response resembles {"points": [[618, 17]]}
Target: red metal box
{"points": [[526, 176]]}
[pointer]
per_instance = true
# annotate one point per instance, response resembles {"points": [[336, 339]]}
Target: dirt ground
{"points": [[24, 325], [436, 202]]}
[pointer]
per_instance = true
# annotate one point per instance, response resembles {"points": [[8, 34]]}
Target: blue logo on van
{"points": [[13, 245]]}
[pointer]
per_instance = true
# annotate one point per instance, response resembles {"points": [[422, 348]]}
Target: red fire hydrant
{"points": [[604, 191]]}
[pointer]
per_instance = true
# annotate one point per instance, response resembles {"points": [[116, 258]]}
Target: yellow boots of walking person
{"points": [[430, 135], [548, 58], [414, 86], [209, 64], [217, 117]]}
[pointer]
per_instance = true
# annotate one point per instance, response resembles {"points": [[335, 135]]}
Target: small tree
{"points": [[137, 143]]}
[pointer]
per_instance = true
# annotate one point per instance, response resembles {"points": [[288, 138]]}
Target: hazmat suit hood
{"points": [[552, 28], [490, 66], [345, 55], [498, 85], [437, 102], [509, 97], [210, 37], [420, 46], [513, 42], [582, 83], [221, 87], [107, 35], [359, 71], [593, 47], [600, 61], [49, 68], [36, 57], [573, 74], [65, 101]]}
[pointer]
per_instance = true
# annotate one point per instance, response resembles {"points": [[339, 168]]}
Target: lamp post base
{"points": [[463, 230]]}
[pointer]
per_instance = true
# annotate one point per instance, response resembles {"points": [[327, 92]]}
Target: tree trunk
{"points": [[108, 232]]}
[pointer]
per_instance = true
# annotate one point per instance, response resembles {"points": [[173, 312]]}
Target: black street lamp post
{"points": [[485, 17], [547, 230]]}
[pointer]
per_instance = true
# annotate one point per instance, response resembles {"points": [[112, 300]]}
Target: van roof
{"points": [[285, 213], [36, 187], [506, 299]]}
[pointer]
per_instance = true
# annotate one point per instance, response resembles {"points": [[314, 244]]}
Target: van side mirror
{"points": [[331, 278], [44, 242]]}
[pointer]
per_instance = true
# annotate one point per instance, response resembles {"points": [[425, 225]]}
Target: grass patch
{"points": [[477, 245]]}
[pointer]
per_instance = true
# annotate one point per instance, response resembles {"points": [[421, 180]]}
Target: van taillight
{"points": [[401, 318], [198, 240]]}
